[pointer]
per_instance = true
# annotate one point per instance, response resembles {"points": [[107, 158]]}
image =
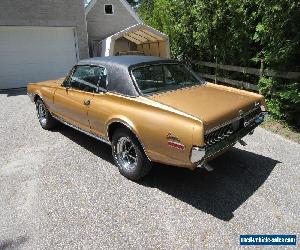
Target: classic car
{"points": [[149, 110]]}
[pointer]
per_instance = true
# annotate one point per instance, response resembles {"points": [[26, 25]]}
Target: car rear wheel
{"points": [[45, 118], [129, 155]]}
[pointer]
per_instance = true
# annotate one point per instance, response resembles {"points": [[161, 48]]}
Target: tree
{"points": [[133, 3], [238, 32]]}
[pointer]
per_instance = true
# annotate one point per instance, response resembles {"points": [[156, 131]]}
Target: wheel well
{"points": [[36, 97], [114, 127], [118, 125]]}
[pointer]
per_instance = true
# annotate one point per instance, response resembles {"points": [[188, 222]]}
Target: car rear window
{"points": [[163, 77]]}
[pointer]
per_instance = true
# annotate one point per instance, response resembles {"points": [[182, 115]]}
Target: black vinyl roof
{"points": [[118, 71], [123, 61]]}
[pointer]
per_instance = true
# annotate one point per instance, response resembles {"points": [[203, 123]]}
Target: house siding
{"points": [[54, 13], [100, 26]]}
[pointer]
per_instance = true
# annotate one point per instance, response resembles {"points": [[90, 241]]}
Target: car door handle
{"points": [[87, 102]]}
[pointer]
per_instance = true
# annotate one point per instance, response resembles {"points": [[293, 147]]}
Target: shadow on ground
{"points": [[13, 92], [13, 244], [96, 147], [237, 175]]}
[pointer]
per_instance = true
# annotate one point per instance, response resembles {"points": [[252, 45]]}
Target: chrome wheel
{"points": [[42, 113], [45, 119], [126, 154]]}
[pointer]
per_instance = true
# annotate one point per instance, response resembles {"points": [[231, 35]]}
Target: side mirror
{"points": [[66, 84]]}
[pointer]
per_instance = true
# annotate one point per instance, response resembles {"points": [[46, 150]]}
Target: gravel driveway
{"points": [[60, 189]]}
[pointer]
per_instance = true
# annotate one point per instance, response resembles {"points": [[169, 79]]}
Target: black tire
{"points": [[141, 166], [46, 120]]}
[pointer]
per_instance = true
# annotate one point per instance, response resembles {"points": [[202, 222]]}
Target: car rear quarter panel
{"points": [[150, 124]]}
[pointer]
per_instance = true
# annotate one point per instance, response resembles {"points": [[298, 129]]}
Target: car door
{"points": [[73, 99], [101, 106]]}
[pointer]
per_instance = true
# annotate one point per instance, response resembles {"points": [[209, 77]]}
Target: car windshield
{"points": [[164, 77]]}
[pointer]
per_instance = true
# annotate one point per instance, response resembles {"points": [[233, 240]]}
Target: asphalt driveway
{"points": [[60, 189]]}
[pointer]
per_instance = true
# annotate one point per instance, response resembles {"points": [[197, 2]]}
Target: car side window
{"points": [[89, 78]]}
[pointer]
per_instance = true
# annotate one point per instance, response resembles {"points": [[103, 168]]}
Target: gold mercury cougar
{"points": [[149, 110]]}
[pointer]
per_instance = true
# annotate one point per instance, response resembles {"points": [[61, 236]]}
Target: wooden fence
{"points": [[245, 70]]}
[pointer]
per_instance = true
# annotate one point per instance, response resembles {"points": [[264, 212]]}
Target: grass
{"points": [[282, 128]]}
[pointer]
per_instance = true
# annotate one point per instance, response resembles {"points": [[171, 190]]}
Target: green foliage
{"points": [[237, 32], [133, 3], [283, 99]]}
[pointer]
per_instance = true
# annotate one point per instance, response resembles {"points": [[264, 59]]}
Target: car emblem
{"points": [[174, 142], [172, 137]]}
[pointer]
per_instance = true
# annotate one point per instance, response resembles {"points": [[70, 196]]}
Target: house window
{"points": [[108, 9]]}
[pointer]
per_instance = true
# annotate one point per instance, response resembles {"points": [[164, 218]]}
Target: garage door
{"points": [[32, 54]]}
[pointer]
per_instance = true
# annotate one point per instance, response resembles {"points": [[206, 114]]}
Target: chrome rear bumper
{"points": [[199, 155]]}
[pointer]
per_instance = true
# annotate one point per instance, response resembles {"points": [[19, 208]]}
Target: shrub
{"points": [[282, 98]]}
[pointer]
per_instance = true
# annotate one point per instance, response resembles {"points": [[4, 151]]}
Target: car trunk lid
{"points": [[211, 103]]}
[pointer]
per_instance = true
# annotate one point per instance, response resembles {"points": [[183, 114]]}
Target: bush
{"points": [[237, 32], [282, 98]]}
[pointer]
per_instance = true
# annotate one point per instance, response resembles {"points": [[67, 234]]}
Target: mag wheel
{"points": [[46, 120], [129, 156]]}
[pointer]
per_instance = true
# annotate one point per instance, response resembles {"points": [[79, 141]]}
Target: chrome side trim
{"points": [[169, 108], [130, 128], [81, 130]]}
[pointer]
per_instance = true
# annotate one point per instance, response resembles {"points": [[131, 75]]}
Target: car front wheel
{"points": [[45, 118], [129, 155]]}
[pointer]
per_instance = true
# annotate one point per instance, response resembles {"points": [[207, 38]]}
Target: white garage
{"points": [[32, 54]]}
